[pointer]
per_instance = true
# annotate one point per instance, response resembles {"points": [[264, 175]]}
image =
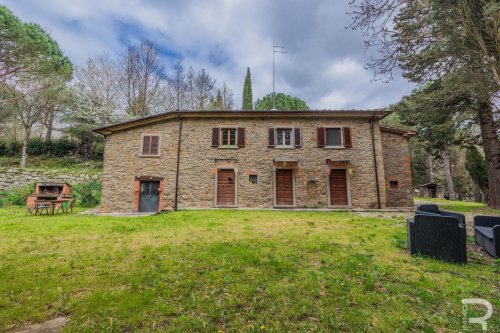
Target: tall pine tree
{"points": [[247, 92]]}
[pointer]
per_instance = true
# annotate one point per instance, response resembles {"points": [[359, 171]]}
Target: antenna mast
{"points": [[276, 49]]}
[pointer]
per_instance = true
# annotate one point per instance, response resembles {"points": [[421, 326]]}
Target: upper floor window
{"points": [[228, 136], [284, 137], [333, 137], [150, 145]]}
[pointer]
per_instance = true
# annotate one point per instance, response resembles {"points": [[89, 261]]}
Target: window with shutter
{"points": [[347, 137], [271, 142], [297, 133], [215, 137], [150, 145], [284, 137], [333, 137], [321, 136], [228, 137], [241, 137], [154, 145]]}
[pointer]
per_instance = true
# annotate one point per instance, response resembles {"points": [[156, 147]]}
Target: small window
{"points": [[150, 145], [228, 136], [284, 137], [394, 183], [333, 137], [252, 179]]}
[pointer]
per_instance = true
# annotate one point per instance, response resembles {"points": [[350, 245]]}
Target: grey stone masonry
{"points": [[199, 162], [11, 178]]}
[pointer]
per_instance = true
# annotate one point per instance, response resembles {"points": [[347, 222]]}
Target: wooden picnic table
{"points": [[50, 206]]}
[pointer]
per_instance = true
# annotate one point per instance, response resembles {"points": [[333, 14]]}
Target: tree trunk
{"points": [[84, 150], [24, 152], [431, 170], [484, 195], [49, 124], [48, 134], [491, 147], [448, 174]]}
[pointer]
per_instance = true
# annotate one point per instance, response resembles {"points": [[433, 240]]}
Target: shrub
{"points": [[98, 154], [62, 147], [10, 148], [16, 196], [37, 146], [87, 194]]}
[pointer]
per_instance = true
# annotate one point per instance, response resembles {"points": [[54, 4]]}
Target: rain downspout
{"points": [[178, 161], [375, 161]]}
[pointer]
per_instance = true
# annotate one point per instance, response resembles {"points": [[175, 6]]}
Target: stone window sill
{"points": [[150, 156], [228, 147]]}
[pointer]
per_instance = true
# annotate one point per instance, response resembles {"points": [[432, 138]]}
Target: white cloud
{"points": [[324, 65]]}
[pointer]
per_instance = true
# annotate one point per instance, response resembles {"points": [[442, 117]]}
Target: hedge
{"points": [[38, 146]]}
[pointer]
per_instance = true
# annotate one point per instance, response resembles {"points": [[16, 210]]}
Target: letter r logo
{"points": [[480, 320]]}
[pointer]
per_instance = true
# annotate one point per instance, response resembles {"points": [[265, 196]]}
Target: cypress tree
{"points": [[247, 92]]}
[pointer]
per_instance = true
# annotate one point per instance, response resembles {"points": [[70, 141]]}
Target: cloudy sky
{"points": [[324, 66]]}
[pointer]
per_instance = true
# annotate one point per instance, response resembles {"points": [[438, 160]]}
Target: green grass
{"points": [[462, 206], [231, 271]]}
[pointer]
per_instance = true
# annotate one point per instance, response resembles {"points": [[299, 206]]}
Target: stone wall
{"points": [[16, 177], [397, 169], [199, 163]]}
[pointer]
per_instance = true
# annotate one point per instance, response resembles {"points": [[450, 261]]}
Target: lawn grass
{"points": [[231, 271], [461, 206]]}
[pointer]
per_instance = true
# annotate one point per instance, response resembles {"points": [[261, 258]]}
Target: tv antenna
{"points": [[276, 49]]}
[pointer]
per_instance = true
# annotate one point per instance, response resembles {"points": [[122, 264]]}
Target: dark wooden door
{"points": [[284, 187], [226, 187], [149, 196], [338, 187]]}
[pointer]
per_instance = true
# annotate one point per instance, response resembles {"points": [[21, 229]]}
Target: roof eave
{"points": [[107, 130]]}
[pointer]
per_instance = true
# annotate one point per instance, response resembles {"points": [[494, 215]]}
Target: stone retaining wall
{"points": [[11, 178]]}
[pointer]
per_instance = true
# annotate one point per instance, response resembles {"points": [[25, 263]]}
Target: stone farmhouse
{"points": [[256, 159]]}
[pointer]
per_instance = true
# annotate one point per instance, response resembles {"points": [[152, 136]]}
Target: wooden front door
{"points": [[149, 197], [226, 187], [284, 187], [338, 187]]}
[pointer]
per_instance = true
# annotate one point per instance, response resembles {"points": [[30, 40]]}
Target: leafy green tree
{"points": [[247, 92], [476, 166], [282, 102], [439, 126], [28, 53], [436, 39]]}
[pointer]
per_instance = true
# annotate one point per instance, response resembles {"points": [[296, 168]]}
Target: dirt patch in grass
{"points": [[52, 326]]}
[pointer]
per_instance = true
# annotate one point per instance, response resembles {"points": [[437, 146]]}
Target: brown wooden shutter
{"points": [[241, 137], [321, 136], [297, 137], [215, 137], [154, 145], [347, 137], [272, 141], [146, 144]]}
